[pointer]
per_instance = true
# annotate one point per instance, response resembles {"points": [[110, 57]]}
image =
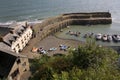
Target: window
{"points": [[25, 70], [18, 61], [25, 38], [27, 35], [14, 49], [22, 41], [15, 73], [24, 64], [18, 46]]}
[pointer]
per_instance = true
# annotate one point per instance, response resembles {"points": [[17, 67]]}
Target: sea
{"points": [[37, 10]]}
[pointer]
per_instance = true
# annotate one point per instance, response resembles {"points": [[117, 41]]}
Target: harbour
{"points": [[58, 39], [103, 29]]}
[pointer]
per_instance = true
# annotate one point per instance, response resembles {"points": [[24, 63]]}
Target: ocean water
{"points": [[36, 10], [32, 10], [103, 29]]}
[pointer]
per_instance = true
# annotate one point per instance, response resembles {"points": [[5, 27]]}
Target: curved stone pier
{"points": [[52, 25]]}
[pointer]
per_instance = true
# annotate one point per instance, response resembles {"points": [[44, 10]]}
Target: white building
{"points": [[17, 38]]}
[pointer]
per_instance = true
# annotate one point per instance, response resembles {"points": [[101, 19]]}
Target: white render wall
{"points": [[21, 41]]}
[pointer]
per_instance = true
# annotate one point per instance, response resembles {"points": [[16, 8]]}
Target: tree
{"points": [[88, 62], [91, 55]]}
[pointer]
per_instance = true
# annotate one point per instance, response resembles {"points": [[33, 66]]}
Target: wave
{"points": [[30, 22], [35, 21], [115, 17], [7, 23], [116, 20]]}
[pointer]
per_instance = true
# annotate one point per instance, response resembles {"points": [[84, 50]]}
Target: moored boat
{"points": [[88, 35], [116, 38], [98, 36], [77, 34], [109, 38], [104, 37], [85, 36]]}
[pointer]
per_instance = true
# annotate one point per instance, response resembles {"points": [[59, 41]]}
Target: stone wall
{"points": [[52, 25]]}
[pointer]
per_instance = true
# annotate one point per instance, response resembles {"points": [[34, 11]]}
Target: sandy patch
{"points": [[50, 42]]}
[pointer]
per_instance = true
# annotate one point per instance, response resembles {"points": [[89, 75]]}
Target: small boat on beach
{"points": [[63, 47], [34, 49], [98, 36]]}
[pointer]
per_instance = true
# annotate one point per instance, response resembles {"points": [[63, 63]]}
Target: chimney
{"points": [[15, 37], [22, 30], [10, 41], [19, 33]]}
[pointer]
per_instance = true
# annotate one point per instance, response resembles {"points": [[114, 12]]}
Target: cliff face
{"points": [[52, 25]]}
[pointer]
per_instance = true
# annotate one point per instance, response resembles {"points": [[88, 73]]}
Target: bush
{"points": [[88, 62]]}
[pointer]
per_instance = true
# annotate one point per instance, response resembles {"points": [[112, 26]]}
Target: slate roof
{"points": [[4, 31], [17, 31]]}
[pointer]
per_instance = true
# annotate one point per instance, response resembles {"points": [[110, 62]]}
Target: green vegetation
{"points": [[88, 62]]}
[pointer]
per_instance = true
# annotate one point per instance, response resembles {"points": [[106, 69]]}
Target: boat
{"points": [[52, 49], [85, 36], [72, 33], [91, 35], [88, 35], [109, 38], [77, 34], [68, 26], [104, 37], [116, 38], [98, 36], [34, 49], [63, 47]]}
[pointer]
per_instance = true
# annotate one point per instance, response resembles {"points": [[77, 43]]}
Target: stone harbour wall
{"points": [[52, 25]]}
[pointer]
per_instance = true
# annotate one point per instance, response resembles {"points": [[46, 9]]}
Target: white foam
{"points": [[35, 22], [6, 24], [116, 20]]}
